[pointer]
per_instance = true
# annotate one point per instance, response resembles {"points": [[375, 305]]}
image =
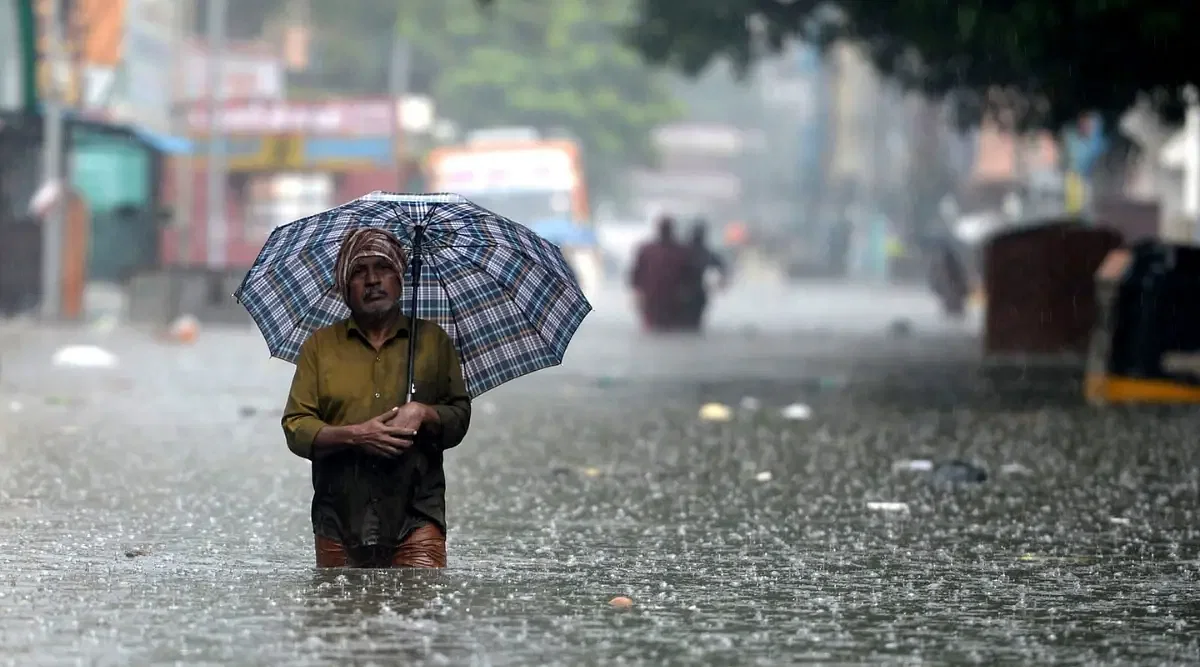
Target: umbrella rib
{"points": [[449, 305]]}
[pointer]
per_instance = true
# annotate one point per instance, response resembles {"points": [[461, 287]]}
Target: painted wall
{"points": [[10, 56], [243, 246], [114, 175]]}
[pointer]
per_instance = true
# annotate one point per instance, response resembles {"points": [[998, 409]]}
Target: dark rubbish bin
{"points": [[1039, 280], [1146, 347]]}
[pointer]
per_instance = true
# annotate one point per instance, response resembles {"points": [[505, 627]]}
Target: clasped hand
{"points": [[393, 432]]}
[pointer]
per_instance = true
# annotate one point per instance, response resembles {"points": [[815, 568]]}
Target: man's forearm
{"points": [[331, 439]]}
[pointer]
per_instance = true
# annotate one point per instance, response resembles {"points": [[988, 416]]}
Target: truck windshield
{"points": [[525, 206]]}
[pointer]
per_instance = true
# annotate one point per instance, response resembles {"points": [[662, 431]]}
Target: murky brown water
{"points": [[584, 484]]}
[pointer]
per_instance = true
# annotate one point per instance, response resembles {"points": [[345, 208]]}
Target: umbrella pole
{"points": [[415, 262]]}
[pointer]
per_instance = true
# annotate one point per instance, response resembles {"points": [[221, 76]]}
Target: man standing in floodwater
{"points": [[659, 279], [379, 490], [704, 259]]}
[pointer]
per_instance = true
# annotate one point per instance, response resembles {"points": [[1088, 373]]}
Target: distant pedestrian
{"points": [[661, 270], [704, 260], [948, 278]]}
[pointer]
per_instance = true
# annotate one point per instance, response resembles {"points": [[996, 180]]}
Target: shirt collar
{"points": [[398, 330]]}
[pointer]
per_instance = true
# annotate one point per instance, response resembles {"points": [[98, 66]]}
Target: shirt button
{"points": [[376, 394]]}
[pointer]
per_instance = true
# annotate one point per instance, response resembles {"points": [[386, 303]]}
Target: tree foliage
{"points": [[554, 66], [1051, 60]]}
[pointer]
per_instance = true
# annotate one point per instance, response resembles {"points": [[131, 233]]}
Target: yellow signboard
{"points": [[283, 152], [272, 153]]}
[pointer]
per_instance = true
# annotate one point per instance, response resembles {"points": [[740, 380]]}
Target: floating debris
{"points": [[716, 412], [1063, 560], [764, 476], [592, 473], [913, 465], [887, 507], [135, 553], [1119, 520], [84, 356], [185, 329], [621, 602], [797, 412], [750, 403], [958, 472]]}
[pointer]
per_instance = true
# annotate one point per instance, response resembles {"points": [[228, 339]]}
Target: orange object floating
{"points": [[621, 602], [185, 330]]}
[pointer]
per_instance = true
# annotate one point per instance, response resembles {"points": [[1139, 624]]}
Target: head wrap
{"points": [[360, 244], [666, 228]]}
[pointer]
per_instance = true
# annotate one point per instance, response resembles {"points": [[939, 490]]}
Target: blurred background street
{"points": [[151, 512], [957, 250]]}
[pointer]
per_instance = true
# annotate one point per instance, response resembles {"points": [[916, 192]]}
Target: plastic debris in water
{"points": [[958, 472], [185, 329], [887, 507], [1014, 469], [797, 411], [1058, 560], [84, 356], [592, 473], [764, 476], [715, 412], [913, 465], [621, 602], [106, 323], [15, 406], [1119, 520]]}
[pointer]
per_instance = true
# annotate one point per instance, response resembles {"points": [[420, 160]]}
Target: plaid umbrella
{"points": [[504, 295]]}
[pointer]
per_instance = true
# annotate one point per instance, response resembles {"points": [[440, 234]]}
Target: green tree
{"points": [[1054, 60], [553, 66]]}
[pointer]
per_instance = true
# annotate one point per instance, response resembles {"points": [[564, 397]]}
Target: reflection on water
{"points": [[575, 489]]}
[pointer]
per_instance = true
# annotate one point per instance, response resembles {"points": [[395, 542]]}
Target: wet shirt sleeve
{"points": [[301, 420], [454, 403]]}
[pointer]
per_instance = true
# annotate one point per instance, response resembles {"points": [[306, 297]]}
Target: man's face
{"points": [[375, 286]]}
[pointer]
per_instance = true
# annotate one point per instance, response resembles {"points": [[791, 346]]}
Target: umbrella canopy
{"points": [[503, 294]]}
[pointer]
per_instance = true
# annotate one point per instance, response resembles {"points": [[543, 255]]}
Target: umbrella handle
{"points": [[415, 261]]}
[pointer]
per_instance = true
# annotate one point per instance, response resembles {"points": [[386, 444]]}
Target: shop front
{"points": [[284, 160]]}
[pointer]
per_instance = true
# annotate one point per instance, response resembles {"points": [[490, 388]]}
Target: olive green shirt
{"points": [[360, 499]]}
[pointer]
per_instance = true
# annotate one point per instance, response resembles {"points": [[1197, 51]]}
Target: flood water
{"points": [[151, 513]]}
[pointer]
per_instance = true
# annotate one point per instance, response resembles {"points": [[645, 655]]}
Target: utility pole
{"points": [[1186, 231], [185, 167], [399, 76], [53, 115], [217, 168]]}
